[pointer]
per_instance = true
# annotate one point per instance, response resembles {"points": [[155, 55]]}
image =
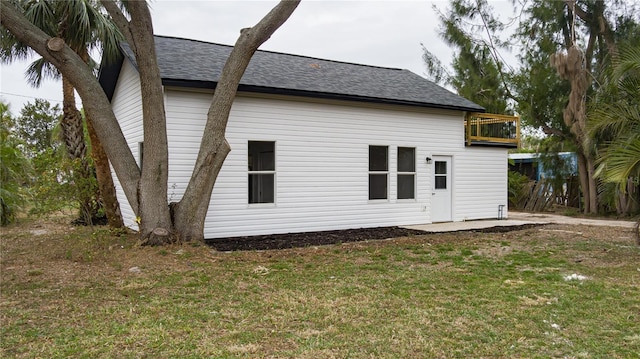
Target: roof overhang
{"points": [[311, 94]]}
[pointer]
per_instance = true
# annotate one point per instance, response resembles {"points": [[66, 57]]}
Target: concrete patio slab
{"points": [[559, 219], [518, 219]]}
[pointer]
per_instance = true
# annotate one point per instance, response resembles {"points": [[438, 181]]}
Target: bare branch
{"points": [[582, 14], [494, 54]]}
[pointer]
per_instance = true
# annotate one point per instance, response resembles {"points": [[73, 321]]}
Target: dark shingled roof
{"points": [[191, 63]]}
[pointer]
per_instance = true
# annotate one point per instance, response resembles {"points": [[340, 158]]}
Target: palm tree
{"points": [[615, 120], [84, 27]]}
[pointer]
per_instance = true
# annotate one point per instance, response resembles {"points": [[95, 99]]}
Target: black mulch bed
{"points": [[307, 239]]}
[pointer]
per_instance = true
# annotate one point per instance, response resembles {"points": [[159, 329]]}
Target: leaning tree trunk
{"points": [[189, 214], [101, 164]]}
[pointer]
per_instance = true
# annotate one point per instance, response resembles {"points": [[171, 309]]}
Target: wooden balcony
{"points": [[488, 129]]}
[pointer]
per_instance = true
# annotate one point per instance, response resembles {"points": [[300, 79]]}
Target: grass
{"points": [[71, 293]]}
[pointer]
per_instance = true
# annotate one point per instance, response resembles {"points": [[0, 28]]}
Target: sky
{"points": [[380, 33]]}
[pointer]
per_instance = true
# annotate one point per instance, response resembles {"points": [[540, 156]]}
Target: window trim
{"points": [[378, 172], [272, 172], [401, 173], [440, 175]]}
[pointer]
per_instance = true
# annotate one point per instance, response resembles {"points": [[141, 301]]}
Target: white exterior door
{"points": [[441, 189]]}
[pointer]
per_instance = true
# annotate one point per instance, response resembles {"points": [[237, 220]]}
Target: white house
{"points": [[316, 144]]}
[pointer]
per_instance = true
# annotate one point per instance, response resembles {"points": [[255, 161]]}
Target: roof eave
{"points": [[313, 94], [108, 76]]}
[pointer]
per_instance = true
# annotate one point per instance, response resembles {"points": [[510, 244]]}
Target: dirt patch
{"points": [[309, 239]]}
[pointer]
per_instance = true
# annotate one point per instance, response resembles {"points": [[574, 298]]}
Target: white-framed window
{"points": [[378, 172], [406, 173], [440, 174], [262, 171]]}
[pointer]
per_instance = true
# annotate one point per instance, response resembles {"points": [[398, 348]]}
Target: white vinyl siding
{"points": [[127, 107], [322, 159], [480, 185]]}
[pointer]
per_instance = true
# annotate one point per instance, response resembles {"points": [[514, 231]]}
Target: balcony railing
{"points": [[490, 129]]}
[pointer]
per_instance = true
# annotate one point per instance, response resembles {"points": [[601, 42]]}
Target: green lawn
{"points": [[72, 293]]}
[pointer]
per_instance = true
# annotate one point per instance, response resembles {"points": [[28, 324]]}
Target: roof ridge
{"points": [[284, 53]]}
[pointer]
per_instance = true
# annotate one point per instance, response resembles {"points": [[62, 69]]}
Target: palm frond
{"points": [[42, 14], [621, 161], [39, 70], [628, 63]]}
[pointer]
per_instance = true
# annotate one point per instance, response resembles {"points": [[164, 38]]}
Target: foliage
{"points": [[534, 89], [81, 23], [542, 94], [615, 125], [15, 169], [615, 119], [477, 68], [35, 126], [518, 189]]}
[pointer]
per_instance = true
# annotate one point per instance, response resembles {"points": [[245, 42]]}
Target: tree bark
{"points": [[71, 123], [76, 147], [152, 191], [190, 213], [105, 181], [106, 187]]}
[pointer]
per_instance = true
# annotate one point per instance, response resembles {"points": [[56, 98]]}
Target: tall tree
{"points": [[478, 71], [146, 188], [35, 126], [586, 31], [83, 26]]}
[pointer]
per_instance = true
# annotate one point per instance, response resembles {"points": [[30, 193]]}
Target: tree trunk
{"points": [[105, 181], [584, 181], [73, 137], [106, 188], [190, 213], [156, 227], [71, 123], [593, 186], [572, 66]]}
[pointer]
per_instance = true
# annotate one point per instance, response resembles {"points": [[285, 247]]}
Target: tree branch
{"points": [[120, 20], [191, 210], [552, 131], [582, 14], [493, 51]]}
